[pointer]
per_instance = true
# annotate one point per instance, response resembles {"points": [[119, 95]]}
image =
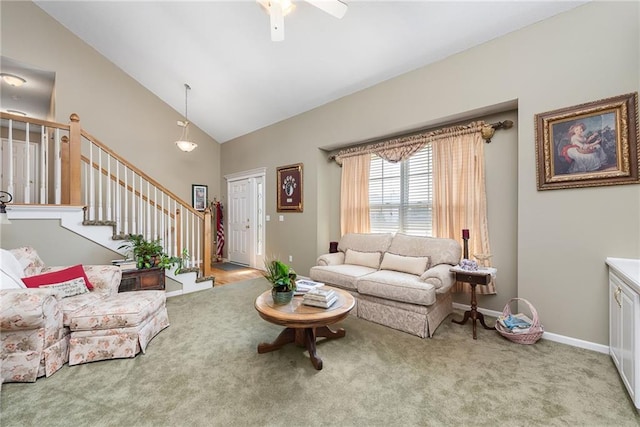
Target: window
{"points": [[401, 194]]}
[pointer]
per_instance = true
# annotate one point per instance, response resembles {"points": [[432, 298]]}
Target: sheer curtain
{"points": [[354, 194], [459, 199]]}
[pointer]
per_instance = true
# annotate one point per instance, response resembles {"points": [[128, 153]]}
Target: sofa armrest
{"points": [[439, 276], [335, 258], [104, 278], [26, 309]]}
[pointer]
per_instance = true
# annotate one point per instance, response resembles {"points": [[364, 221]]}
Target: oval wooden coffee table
{"points": [[303, 324]]}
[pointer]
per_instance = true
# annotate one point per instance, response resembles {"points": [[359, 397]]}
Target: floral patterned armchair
{"points": [[34, 332]]}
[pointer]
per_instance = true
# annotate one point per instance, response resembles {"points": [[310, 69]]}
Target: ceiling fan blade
{"points": [[332, 7], [277, 21]]}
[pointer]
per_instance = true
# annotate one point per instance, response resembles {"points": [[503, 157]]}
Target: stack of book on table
{"points": [[125, 264], [516, 323], [321, 296], [304, 285]]}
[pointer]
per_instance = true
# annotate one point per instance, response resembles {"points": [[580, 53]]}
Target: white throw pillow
{"points": [[69, 288], [11, 271], [366, 259], [406, 264]]}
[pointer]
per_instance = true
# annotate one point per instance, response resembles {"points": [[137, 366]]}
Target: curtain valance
{"points": [[401, 148]]}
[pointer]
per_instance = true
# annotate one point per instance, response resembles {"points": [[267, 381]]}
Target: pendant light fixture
{"points": [[183, 143]]}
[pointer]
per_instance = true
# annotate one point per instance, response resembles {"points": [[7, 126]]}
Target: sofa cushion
{"points": [[367, 259], [365, 242], [440, 251], [78, 302], [406, 264], [397, 286], [29, 260], [11, 271], [123, 310], [59, 276], [343, 275], [69, 288]]}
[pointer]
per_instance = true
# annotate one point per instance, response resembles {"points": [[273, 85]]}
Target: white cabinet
{"points": [[624, 322]]}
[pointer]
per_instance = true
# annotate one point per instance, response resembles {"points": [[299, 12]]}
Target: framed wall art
{"points": [[290, 195], [199, 195], [588, 145]]}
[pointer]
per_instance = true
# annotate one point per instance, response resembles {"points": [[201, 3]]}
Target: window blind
{"points": [[401, 194]]}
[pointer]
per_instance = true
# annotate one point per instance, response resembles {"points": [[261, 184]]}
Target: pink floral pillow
{"points": [[29, 260]]}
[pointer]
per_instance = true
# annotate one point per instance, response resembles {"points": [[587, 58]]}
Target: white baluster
{"points": [[43, 166], [118, 202], [155, 212], [92, 188], [148, 214], [126, 201], [134, 228], [10, 188], [100, 182], [191, 237], [27, 183], [141, 218], [57, 167], [85, 178], [109, 207]]}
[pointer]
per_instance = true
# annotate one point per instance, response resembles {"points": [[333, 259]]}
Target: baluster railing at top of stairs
{"points": [[85, 172]]}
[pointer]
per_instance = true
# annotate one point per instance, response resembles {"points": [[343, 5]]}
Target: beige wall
{"points": [[112, 106], [550, 246], [559, 239], [54, 244]]}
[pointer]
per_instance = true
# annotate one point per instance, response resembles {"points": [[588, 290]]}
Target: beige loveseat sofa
{"points": [[399, 281]]}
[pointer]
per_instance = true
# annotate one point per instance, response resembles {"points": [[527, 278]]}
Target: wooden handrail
{"points": [[129, 188], [121, 159], [32, 120]]}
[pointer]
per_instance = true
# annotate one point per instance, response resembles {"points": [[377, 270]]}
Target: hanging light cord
{"points": [[186, 111]]}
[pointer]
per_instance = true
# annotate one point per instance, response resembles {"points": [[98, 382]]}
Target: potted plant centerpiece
{"points": [[283, 281], [147, 253]]}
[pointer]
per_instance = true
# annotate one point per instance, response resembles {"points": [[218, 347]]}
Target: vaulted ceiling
{"points": [[242, 81]]}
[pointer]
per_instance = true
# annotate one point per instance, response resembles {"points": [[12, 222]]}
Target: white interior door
{"points": [[246, 212], [239, 221], [22, 183]]}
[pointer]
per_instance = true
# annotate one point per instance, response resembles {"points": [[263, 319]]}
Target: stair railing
{"points": [[65, 165]]}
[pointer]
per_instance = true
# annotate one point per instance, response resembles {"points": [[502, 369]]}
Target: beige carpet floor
{"points": [[204, 371]]}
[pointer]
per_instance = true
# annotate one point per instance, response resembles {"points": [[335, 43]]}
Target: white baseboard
{"points": [[575, 342]]}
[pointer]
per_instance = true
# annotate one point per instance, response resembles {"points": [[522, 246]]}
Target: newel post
{"points": [[75, 161], [206, 239]]}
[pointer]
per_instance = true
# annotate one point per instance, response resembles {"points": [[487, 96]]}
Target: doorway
{"points": [[20, 174], [246, 230]]}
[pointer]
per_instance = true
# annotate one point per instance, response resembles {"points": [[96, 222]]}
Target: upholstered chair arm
{"points": [[104, 278], [335, 258], [440, 277], [26, 309]]}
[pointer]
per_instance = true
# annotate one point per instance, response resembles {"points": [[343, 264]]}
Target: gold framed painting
{"points": [[290, 194], [588, 145]]}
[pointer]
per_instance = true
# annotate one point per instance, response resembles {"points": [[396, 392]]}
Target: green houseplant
{"points": [[148, 253], [283, 280]]}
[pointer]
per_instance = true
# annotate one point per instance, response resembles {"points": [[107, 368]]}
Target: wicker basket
{"points": [[535, 331]]}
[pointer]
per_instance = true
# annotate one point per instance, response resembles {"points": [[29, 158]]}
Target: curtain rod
{"points": [[487, 133]]}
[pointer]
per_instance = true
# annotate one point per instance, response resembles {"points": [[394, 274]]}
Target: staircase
{"points": [[65, 173]]}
